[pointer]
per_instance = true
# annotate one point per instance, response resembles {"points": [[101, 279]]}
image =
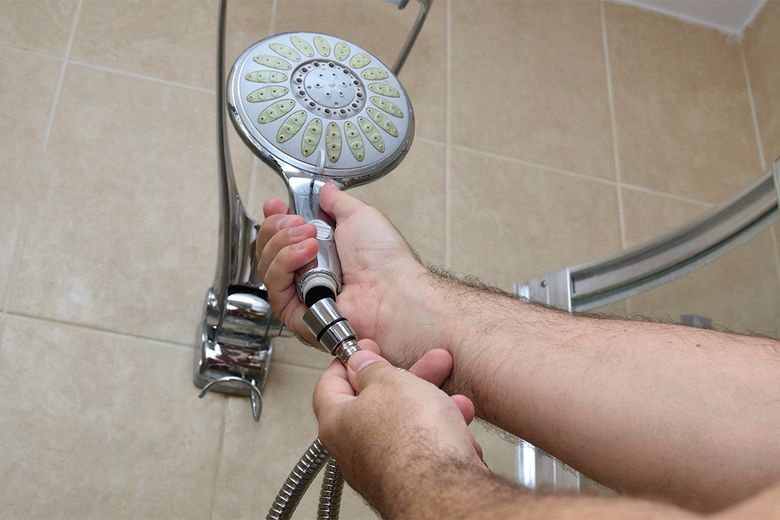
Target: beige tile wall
{"points": [[549, 132]]}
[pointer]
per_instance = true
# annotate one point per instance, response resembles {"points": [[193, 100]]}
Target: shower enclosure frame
{"points": [[664, 258]]}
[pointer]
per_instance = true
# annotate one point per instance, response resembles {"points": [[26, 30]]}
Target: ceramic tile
{"points": [[247, 22], [681, 106], [761, 41], [510, 222], [411, 196], [39, 25], [124, 234], [739, 291], [256, 458], [263, 185], [381, 29], [173, 40], [242, 163], [647, 215], [97, 425], [293, 352], [23, 125], [528, 81]]}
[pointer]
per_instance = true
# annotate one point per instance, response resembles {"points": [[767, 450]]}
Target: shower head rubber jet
{"points": [[317, 108]]}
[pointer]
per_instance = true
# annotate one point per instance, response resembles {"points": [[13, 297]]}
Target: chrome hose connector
{"points": [[331, 328]]}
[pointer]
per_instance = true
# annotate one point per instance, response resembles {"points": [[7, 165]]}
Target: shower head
{"points": [[313, 105], [316, 109]]}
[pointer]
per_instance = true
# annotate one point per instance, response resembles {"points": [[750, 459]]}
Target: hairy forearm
{"points": [[684, 414], [435, 487]]}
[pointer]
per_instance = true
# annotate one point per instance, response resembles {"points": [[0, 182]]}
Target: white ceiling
{"points": [[731, 16]]}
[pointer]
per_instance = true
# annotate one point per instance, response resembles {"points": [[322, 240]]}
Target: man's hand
{"points": [[378, 268], [388, 429]]}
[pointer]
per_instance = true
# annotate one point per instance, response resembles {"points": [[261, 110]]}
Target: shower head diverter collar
{"points": [[317, 108]]}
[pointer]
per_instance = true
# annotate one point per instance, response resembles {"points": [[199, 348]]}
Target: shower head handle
{"points": [[321, 278]]}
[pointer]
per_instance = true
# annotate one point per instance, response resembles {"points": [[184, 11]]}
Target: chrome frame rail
{"points": [[662, 259]]}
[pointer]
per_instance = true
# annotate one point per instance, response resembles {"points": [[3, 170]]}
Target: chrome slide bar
{"points": [[233, 341], [665, 258]]}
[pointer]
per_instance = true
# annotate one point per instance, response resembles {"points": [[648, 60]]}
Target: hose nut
{"points": [[331, 328], [336, 334]]}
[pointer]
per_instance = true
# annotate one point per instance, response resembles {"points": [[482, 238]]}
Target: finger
{"points": [[365, 344], [282, 239], [338, 204], [370, 368], [332, 389], [435, 366], [371, 345], [281, 273], [466, 407], [271, 227], [274, 207]]}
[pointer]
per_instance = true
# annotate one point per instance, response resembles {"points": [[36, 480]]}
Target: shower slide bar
{"points": [[662, 259], [233, 340]]}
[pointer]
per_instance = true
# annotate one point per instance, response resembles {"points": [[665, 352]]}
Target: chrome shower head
{"points": [[313, 105], [317, 109]]}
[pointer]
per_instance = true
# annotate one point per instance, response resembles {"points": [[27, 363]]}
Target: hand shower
{"points": [[316, 109]]}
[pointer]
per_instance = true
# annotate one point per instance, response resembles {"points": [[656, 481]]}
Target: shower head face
{"points": [[316, 104]]}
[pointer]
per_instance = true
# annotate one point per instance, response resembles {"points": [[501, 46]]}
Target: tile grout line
{"points": [[162, 342], [583, 176], [92, 328], [430, 141], [759, 144], [40, 54], [38, 184], [220, 455], [105, 68], [681, 198], [752, 103], [139, 76], [613, 124], [448, 142], [523, 162]]}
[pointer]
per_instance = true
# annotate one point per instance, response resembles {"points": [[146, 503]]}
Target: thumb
{"points": [[338, 204], [369, 368]]}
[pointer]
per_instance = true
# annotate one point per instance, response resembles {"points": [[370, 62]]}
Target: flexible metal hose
{"points": [[330, 495], [298, 482], [334, 333]]}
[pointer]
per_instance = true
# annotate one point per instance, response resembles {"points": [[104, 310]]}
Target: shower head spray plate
{"points": [[320, 105]]}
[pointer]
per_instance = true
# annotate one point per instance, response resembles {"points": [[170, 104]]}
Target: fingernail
{"points": [[362, 359]]}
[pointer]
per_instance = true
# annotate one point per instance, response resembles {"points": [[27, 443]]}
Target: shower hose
{"points": [[335, 334]]}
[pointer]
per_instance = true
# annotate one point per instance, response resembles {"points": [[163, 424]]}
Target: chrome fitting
{"points": [[331, 328]]}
